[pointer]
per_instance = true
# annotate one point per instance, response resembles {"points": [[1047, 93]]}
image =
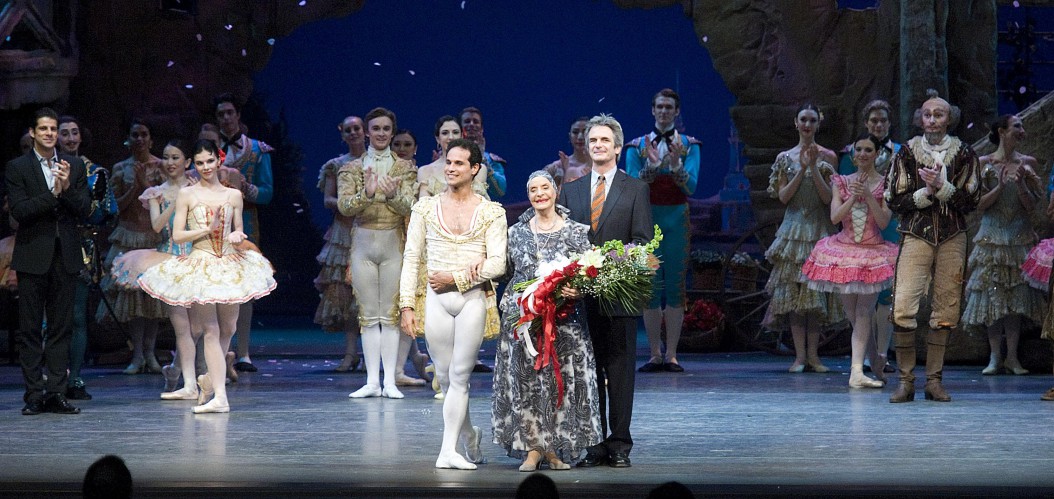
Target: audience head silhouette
{"points": [[108, 478], [537, 486], [671, 490]]}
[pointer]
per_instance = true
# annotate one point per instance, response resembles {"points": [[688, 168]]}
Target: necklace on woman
{"points": [[545, 239], [538, 224]]}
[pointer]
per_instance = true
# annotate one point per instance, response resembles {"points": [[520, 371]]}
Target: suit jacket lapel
{"points": [[35, 172], [612, 198], [582, 201]]}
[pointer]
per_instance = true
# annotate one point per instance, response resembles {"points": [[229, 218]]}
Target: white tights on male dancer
{"points": [[454, 324], [375, 267]]}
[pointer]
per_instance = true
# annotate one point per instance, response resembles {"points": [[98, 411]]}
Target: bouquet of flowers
{"points": [[616, 274]]}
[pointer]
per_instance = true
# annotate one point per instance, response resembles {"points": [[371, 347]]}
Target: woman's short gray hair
{"points": [[541, 173]]}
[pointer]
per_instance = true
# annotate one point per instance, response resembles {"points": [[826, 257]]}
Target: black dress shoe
{"points": [[619, 460], [673, 368], [56, 403], [592, 459], [244, 367], [33, 407], [482, 368], [77, 393], [650, 367]]}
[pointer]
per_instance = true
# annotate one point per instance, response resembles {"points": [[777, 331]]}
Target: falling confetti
{"points": [[199, 37], [377, 64], [188, 85], [706, 38], [171, 63], [969, 125], [301, 210], [229, 27], [1016, 4], [462, 4], [412, 72], [601, 100], [270, 41], [296, 204], [302, 3], [1022, 90], [243, 52]]}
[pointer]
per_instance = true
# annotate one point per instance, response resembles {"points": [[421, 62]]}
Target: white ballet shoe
{"points": [[439, 396], [205, 391], [185, 393], [212, 407], [472, 445], [171, 374], [404, 380], [366, 391], [858, 380], [453, 461], [392, 392], [993, 367], [1015, 367]]}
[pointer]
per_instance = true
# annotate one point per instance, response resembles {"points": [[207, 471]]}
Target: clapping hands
{"points": [[932, 177], [386, 184]]}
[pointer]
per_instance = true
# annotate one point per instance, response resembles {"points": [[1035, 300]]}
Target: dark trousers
{"points": [[51, 292], [615, 347]]}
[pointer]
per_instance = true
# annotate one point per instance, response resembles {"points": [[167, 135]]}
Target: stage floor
{"points": [[731, 425]]}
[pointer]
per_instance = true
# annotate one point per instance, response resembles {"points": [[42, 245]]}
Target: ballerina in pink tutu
{"points": [[856, 263], [217, 275]]}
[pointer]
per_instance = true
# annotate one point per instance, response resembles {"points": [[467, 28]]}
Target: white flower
{"points": [[545, 269], [591, 258]]}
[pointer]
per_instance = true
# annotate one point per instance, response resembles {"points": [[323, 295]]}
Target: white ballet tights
{"points": [[186, 349], [380, 345], [375, 269], [454, 329], [860, 308], [219, 322]]}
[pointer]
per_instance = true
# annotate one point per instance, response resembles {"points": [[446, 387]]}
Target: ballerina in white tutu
{"points": [[216, 276]]}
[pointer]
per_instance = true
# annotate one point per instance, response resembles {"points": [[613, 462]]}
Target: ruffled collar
{"points": [[528, 214], [385, 153], [928, 154]]}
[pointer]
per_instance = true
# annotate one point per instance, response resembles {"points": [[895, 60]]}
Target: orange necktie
{"points": [[598, 203]]}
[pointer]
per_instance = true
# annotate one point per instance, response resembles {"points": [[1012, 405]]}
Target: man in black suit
{"points": [[48, 195], [616, 206]]}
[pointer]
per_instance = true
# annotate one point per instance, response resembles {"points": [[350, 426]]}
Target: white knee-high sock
{"points": [[371, 353], [389, 342]]}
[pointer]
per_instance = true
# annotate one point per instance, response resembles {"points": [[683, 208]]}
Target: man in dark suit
{"points": [[48, 196], [615, 206]]}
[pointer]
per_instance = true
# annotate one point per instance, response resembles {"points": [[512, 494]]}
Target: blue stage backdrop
{"points": [[531, 67]]}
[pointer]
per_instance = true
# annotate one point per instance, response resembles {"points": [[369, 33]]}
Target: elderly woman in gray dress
{"points": [[530, 420]]}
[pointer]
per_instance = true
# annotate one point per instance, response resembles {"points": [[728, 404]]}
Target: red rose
{"points": [[592, 272]]}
